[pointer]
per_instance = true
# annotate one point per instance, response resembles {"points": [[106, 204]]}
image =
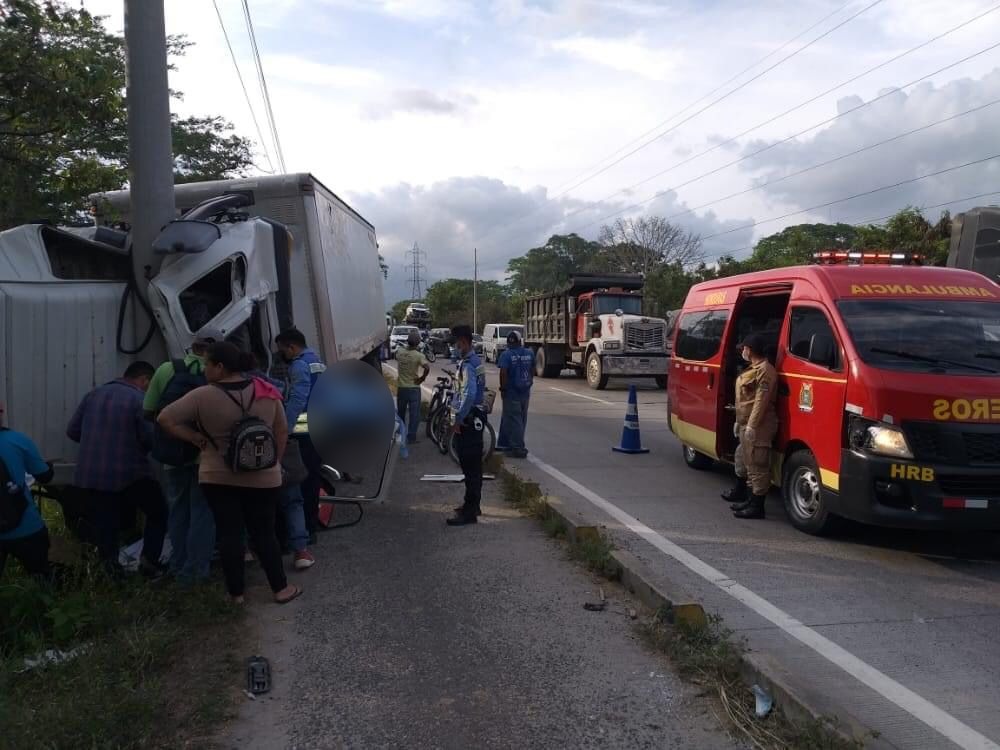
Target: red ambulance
{"points": [[889, 387]]}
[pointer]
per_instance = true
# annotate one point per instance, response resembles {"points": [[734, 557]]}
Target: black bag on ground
{"points": [[252, 446], [13, 502], [166, 448]]}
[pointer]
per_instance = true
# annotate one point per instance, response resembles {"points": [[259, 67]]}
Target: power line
{"points": [[718, 88], [719, 99], [268, 109], [826, 163], [246, 94], [745, 157], [809, 101], [909, 181]]}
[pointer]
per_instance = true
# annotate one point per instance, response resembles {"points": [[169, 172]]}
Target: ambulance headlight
{"points": [[886, 440]]}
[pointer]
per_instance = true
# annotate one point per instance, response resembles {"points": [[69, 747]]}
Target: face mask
{"points": [[745, 354]]}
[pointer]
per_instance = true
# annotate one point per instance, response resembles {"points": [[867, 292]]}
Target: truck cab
{"points": [[888, 383]]}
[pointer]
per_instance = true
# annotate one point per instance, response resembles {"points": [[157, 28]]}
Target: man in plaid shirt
{"points": [[113, 466]]}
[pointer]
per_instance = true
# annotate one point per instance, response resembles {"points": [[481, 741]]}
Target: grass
{"points": [[707, 655], [592, 550], [156, 665]]}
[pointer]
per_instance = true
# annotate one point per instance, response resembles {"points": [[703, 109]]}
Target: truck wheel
{"points": [[595, 372], [802, 492], [696, 460], [661, 382], [542, 367]]}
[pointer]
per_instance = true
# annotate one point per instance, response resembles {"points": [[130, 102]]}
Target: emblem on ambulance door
{"points": [[806, 397]]}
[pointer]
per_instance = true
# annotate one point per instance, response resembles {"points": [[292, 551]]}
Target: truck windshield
{"points": [[961, 337], [607, 304]]}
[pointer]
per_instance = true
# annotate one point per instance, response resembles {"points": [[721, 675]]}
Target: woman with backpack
{"points": [[238, 424]]}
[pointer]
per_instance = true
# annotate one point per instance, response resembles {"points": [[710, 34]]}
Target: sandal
{"points": [[296, 593]]}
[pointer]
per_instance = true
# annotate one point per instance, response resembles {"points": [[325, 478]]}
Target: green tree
{"points": [[63, 117], [908, 231], [450, 302], [546, 268]]}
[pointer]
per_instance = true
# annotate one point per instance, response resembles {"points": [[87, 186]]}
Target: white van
{"points": [[495, 339]]}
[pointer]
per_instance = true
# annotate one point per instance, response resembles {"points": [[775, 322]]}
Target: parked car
{"points": [[398, 337], [495, 339], [477, 343]]}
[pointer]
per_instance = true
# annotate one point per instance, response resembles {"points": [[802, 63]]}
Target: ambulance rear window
{"points": [[699, 334]]}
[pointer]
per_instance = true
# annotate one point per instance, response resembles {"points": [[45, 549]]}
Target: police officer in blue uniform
{"points": [[469, 422]]}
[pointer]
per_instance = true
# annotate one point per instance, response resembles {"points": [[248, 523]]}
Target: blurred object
{"points": [[764, 702], [352, 424]]}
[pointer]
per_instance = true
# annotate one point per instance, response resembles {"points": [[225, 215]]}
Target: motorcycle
{"points": [[427, 350]]}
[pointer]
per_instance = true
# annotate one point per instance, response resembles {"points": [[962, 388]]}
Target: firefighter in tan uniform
{"points": [[757, 424]]}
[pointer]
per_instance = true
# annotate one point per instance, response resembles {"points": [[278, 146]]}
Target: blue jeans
{"points": [[408, 399], [190, 525], [513, 421], [295, 517]]}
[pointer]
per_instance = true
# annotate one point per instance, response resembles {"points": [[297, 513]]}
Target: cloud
{"points": [[629, 54], [302, 72], [959, 141], [451, 217], [419, 101]]}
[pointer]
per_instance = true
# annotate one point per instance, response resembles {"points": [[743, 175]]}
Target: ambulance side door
{"points": [[695, 378], [812, 387]]}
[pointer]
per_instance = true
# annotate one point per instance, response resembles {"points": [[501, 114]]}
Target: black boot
{"points": [[754, 508], [461, 519], [736, 494], [461, 509]]}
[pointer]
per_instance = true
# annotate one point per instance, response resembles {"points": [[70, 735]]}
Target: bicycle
{"points": [[441, 396], [444, 437]]}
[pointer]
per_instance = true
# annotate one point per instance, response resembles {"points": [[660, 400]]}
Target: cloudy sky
{"points": [[496, 123]]}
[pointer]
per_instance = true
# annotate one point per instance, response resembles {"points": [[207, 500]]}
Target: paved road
{"points": [[411, 634], [915, 616]]}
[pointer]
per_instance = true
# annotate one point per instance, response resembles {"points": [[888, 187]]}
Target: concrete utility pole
{"points": [[151, 163], [475, 289]]}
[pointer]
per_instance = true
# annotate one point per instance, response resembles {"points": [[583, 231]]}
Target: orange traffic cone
{"points": [[631, 441]]}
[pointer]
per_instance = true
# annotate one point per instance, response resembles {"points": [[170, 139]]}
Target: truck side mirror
{"points": [[822, 350], [571, 305]]}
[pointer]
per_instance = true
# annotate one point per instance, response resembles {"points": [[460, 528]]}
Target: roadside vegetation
{"points": [[88, 662], [705, 654]]}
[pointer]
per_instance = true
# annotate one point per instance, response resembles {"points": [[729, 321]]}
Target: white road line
{"points": [[920, 708], [581, 395]]}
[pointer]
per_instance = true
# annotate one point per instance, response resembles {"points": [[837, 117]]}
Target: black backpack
{"points": [[252, 446], [166, 448], [13, 502]]}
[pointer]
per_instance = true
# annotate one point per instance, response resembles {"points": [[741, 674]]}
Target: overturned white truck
{"points": [[249, 257]]}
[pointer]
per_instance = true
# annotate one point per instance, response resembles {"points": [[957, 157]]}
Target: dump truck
{"points": [[595, 326], [975, 241]]}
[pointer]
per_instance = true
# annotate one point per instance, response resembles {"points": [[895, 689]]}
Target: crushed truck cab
{"points": [[889, 388]]}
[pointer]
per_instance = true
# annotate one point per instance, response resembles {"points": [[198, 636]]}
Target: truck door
{"points": [[584, 315], [695, 378]]}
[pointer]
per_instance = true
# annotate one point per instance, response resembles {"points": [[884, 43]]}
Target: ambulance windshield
{"points": [[960, 337]]}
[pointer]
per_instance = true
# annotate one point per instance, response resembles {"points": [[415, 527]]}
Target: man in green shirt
{"points": [[410, 362], [190, 525]]}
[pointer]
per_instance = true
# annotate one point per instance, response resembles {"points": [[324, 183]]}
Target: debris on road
{"points": [[764, 702], [258, 675]]}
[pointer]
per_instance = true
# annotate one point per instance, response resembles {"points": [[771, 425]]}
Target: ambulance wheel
{"points": [[661, 382], [595, 372], [696, 460], [802, 492]]}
